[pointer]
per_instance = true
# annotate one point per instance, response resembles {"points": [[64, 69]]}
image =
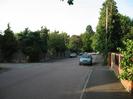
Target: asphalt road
{"points": [[61, 79]]}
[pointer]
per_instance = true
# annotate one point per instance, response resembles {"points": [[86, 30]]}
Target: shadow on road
{"points": [[3, 69]]}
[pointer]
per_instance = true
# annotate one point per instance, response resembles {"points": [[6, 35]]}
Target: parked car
{"points": [[85, 59], [72, 55]]}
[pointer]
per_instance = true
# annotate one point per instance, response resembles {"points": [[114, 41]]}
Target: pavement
{"points": [[102, 83]]}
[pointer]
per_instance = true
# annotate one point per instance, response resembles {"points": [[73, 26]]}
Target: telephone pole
{"points": [[106, 28], [106, 20]]}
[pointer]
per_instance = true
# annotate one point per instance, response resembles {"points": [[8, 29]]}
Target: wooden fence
{"points": [[114, 60]]}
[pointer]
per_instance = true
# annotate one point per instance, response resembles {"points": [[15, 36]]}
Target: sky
{"points": [[55, 15]]}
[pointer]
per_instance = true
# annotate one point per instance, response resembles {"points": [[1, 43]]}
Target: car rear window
{"points": [[86, 56]]}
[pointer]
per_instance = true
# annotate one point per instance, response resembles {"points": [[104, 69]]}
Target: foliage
{"points": [[44, 39], [86, 42], [126, 24], [57, 43], [70, 2], [1, 40], [94, 43], [9, 44], [36, 44], [87, 39], [33, 44], [89, 30], [129, 35], [75, 43], [127, 60], [108, 39], [65, 38]]}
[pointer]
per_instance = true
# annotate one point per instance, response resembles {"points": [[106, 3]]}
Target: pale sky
{"points": [[55, 15]]}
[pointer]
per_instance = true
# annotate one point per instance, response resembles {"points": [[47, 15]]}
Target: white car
{"points": [[72, 55]]}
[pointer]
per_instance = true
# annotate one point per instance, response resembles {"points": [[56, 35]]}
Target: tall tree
{"points": [[109, 28], [44, 39], [89, 30], [9, 46], [87, 39]]}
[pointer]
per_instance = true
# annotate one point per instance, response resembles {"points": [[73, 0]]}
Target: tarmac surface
{"points": [[60, 79]]}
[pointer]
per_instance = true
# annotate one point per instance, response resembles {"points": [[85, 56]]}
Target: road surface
{"points": [[61, 79]]}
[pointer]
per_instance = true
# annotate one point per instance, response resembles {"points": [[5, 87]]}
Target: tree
{"points": [[23, 40], [109, 38], [94, 43], [126, 24], [89, 30], [1, 40], [87, 39], [65, 37], [1, 43], [129, 35], [9, 45], [57, 43], [86, 42], [75, 43], [34, 44], [31, 45], [44, 39]]}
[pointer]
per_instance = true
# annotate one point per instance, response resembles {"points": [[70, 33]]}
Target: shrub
{"points": [[127, 61]]}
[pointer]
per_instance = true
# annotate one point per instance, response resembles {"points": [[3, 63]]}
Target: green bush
{"points": [[127, 61]]}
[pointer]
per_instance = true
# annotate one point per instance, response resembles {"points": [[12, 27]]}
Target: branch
{"points": [[70, 2]]}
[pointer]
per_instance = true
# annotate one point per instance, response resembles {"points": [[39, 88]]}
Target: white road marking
{"points": [[86, 82]]}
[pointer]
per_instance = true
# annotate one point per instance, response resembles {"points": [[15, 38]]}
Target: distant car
{"points": [[85, 59], [72, 55]]}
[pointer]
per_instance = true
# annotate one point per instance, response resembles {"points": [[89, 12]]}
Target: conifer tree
{"points": [[9, 46], [108, 28]]}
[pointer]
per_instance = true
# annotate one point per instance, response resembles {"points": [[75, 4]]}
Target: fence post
{"points": [[119, 60], [112, 60]]}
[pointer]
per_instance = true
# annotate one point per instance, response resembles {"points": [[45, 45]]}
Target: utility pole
{"points": [[106, 19], [106, 27]]}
